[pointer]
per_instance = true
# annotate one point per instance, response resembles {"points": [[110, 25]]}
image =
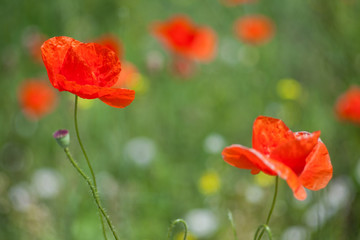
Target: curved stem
{"points": [[263, 227], [93, 191], [271, 209], [173, 225], [87, 160]]}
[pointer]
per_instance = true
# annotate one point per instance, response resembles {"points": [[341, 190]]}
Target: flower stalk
{"points": [[87, 160], [265, 227], [93, 191]]}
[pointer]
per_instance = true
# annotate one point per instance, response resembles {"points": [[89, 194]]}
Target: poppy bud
{"points": [[62, 137]]}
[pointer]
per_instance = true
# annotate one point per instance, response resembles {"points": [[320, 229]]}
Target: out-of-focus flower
{"points": [[37, 98], [141, 150], [254, 194], [232, 3], [88, 70], [46, 183], [300, 158], [347, 106], [32, 40], [131, 78], [295, 233], [254, 29], [108, 184], [112, 42], [209, 183], [289, 89], [202, 222], [214, 143], [20, 197], [154, 61], [186, 39]]}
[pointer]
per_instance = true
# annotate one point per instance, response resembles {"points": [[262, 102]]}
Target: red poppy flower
{"points": [[88, 70], [36, 98], [113, 43], [254, 29], [347, 106], [182, 37], [300, 158]]}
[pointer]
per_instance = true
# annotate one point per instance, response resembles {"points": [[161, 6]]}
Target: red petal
{"points": [[37, 98], [291, 178], [204, 45], [177, 34], [241, 157], [269, 133], [118, 97], [248, 158], [294, 152], [85, 64], [254, 29], [348, 105], [318, 169], [91, 64], [186, 39], [54, 51], [112, 42]]}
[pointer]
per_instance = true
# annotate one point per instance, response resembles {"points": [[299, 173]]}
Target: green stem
{"points": [[271, 210], [93, 191], [173, 225], [232, 224], [263, 227], [87, 160]]}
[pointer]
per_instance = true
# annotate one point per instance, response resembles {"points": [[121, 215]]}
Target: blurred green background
{"points": [[160, 158]]}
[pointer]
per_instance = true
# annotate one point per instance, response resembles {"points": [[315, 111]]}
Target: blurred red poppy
{"points": [[347, 106], [300, 158], [184, 38], [112, 42], [254, 29], [36, 98], [128, 76], [33, 41], [88, 70]]}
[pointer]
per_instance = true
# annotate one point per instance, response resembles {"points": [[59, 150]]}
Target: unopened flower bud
{"points": [[62, 137]]}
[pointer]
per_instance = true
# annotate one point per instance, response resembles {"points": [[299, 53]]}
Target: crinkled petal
{"points": [[293, 153], [269, 133], [53, 52], [91, 64], [318, 169], [248, 158], [85, 64], [118, 97]]}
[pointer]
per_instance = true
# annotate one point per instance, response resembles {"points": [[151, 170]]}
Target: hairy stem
{"points": [[87, 160], [93, 191]]}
